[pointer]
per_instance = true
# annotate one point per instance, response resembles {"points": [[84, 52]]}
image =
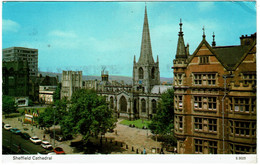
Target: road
{"points": [[13, 140]]}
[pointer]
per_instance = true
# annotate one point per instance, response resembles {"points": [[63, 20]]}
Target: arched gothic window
{"points": [[135, 106], [141, 73], [111, 102], [154, 106], [153, 73], [123, 104], [143, 105]]}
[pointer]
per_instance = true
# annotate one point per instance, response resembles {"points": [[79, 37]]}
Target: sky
{"points": [[88, 36]]}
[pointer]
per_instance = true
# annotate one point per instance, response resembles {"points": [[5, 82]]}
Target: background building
{"points": [[23, 54], [16, 81], [215, 97], [47, 89], [71, 81]]}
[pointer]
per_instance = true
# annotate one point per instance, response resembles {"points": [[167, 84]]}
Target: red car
{"points": [[58, 150]]}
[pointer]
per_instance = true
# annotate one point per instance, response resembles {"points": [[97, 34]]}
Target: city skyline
{"points": [[109, 33]]}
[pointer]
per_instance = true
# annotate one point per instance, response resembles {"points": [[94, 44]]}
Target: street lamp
{"points": [[223, 99], [54, 129]]}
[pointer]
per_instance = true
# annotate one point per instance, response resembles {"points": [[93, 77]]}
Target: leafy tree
{"points": [[30, 102], [46, 118], [59, 109], [9, 105], [88, 114], [163, 121], [56, 95]]}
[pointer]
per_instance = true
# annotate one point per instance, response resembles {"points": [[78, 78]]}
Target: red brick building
{"points": [[215, 97]]}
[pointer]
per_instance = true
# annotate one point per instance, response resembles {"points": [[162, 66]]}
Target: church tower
{"points": [[146, 72]]}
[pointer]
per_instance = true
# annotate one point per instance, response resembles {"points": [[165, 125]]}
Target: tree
{"points": [[88, 114], [56, 95], [59, 109], [9, 105], [163, 121], [46, 118]]}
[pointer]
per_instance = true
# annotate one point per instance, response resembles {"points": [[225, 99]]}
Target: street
{"points": [[13, 140]]}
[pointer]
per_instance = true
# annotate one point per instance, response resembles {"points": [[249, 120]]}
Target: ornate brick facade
{"points": [[215, 97]]}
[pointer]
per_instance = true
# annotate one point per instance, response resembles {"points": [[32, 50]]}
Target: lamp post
{"points": [[54, 129], [223, 112]]}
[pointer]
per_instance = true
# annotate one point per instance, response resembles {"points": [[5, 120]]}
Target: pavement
{"points": [[132, 137], [136, 138]]}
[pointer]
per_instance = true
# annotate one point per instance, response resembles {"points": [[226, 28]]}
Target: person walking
{"points": [[144, 152]]}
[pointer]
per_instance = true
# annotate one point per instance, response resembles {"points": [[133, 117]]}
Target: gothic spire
{"points": [[181, 50], [146, 55]]}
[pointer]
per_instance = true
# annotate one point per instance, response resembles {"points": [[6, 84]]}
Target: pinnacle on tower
{"points": [[213, 42], [204, 36], [180, 33], [181, 49], [188, 49]]}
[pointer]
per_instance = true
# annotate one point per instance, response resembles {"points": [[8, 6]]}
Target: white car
{"points": [[35, 140], [46, 145], [52, 153], [7, 127]]}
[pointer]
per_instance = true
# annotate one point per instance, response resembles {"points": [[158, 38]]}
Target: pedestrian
{"points": [[44, 137], [144, 152], [19, 151], [175, 150], [161, 151]]}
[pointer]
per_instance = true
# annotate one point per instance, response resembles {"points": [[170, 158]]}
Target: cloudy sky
{"points": [[88, 35]]}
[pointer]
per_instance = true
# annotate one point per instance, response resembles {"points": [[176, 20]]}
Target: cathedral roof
{"points": [[160, 89], [146, 55]]}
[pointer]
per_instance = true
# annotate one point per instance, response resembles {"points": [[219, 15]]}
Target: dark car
{"points": [[25, 135], [15, 131]]}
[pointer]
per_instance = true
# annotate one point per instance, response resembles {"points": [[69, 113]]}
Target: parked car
{"points": [[35, 140], [46, 153], [25, 135], [51, 153], [58, 150], [7, 127], [15, 130], [43, 153], [46, 145]]}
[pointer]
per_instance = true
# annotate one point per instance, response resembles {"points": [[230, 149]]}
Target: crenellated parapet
{"points": [[241, 86]]}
